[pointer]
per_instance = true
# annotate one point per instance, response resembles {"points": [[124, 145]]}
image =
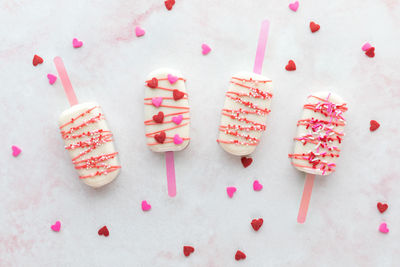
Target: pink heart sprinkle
{"points": [[257, 186], [205, 49], [230, 191], [383, 228], [52, 78], [76, 43], [15, 151], [294, 6], [172, 79], [156, 101], [366, 46], [177, 139], [145, 206], [177, 119], [56, 227], [139, 31]]}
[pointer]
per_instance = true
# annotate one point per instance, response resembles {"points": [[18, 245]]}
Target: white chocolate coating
{"points": [[243, 141], [171, 108], [321, 126], [103, 148]]}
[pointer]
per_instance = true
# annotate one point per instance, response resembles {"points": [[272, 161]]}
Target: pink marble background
{"points": [[40, 186]]}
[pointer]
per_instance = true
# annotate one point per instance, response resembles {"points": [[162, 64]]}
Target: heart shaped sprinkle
{"points": [[156, 101], [370, 52], [177, 119], [160, 138], [294, 6], [366, 46], [37, 60], [139, 31], [178, 94], [314, 27], [239, 255], [177, 139], [374, 125], [52, 78], [15, 151], [172, 79], [56, 227], [257, 223], [169, 4], [246, 161], [383, 228], [103, 231], [230, 190], [291, 66], [382, 207], [76, 43], [257, 186], [205, 49], [187, 250], [159, 117], [153, 83], [145, 206]]}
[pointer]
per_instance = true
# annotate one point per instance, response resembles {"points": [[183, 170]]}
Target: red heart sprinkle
{"points": [[382, 207], [103, 231], [290, 66], [37, 60], [187, 250], [246, 161], [178, 94], [153, 83], [169, 4], [370, 52], [239, 255], [257, 223], [314, 26], [159, 117], [160, 138], [374, 125]]}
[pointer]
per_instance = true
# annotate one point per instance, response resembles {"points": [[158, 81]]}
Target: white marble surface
{"points": [[41, 186]]}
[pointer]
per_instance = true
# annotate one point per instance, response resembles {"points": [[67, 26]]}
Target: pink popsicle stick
{"points": [[169, 160], [305, 199], [62, 73], [262, 43]]}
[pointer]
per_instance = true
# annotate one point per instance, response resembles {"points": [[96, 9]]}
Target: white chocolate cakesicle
{"points": [[245, 111], [319, 134], [90, 144], [166, 111]]}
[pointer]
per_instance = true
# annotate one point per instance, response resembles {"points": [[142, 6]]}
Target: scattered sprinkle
{"points": [[374, 125], [52, 78], [370, 52], [37, 60], [104, 231], [15, 151], [366, 46], [76, 43], [383, 228], [257, 186], [291, 66], [172, 79], [230, 191], [314, 27], [246, 161], [187, 250], [294, 6], [205, 49], [153, 83], [145, 206], [239, 255], [169, 4], [382, 207], [139, 31], [56, 227], [257, 223]]}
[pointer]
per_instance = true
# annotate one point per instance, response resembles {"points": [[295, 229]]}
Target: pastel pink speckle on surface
{"points": [[205, 49], [383, 228], [15, 151], [366, 46], [172, 79], [294, 6], [139, 31], [56, 227], [156, 101], [145, 206], [76, 43], [257, 186], [230, 191], [52, 78]]}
